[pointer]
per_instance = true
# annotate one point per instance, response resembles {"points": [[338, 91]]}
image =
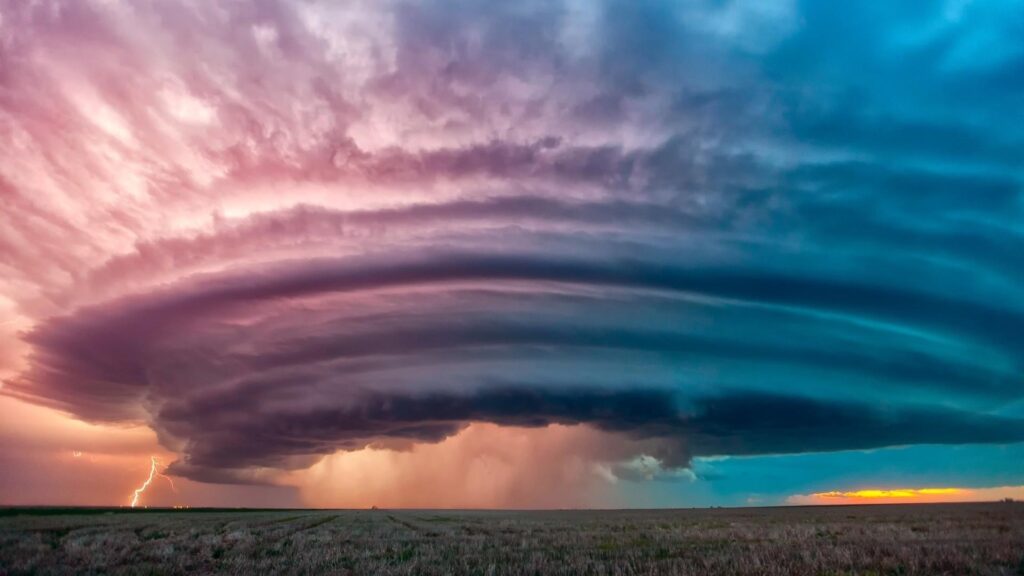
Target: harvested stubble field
{"points": [[923, 539]]}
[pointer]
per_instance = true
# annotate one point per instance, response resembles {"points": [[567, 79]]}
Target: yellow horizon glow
{"points": [[893, 493], [909, 495]]}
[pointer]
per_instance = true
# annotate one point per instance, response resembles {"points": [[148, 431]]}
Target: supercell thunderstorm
{"points": [[334, 227]]}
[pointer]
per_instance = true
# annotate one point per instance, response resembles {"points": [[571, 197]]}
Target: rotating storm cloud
{"points": [[642, 242]]}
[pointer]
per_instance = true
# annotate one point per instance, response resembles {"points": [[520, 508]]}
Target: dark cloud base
{"points": [[741, 424]]}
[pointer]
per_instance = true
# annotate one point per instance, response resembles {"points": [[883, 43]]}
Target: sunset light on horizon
{"points": [[911, 495]]}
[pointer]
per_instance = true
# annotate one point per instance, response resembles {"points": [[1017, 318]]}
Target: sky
{"points": [[558, 254]]}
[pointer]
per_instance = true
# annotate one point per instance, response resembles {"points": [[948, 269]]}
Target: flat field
{"points": [[921, 539]]}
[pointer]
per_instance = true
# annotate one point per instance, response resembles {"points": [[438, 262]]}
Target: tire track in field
{"points": [[415, 528], [316, 524]]}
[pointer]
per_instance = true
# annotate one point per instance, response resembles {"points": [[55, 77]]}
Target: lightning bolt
{"points": [[153, 473], [169, 481]]}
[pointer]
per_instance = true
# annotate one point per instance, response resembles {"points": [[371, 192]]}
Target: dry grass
{"points": [[938, 539]]}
